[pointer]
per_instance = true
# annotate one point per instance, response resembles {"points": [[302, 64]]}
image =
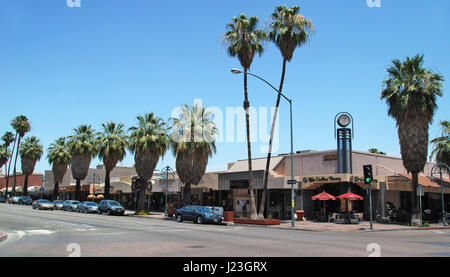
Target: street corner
{"points": [[3, 236]]}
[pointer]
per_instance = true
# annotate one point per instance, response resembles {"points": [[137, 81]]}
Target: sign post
{"points": [[420, 193]]}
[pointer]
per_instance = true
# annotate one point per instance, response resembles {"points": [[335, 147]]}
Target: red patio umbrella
{"points": [[350, 196], [324, 196]]}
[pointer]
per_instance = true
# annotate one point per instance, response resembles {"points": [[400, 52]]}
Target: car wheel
{"points": [[179, 218], [199, 220], [108, 212], [85, 211]]}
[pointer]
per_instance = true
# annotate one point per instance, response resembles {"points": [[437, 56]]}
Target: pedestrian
{"points": [[244, 209]]}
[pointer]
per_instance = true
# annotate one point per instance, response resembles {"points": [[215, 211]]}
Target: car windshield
{"points": [[44, 201], [90, 204], [75, 202], [114, 203], [57, 202]]}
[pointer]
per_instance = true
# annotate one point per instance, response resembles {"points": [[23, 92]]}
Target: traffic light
{"points": [[368, 176]]}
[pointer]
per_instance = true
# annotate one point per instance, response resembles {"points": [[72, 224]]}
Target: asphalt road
{"points": [[33, 233]]}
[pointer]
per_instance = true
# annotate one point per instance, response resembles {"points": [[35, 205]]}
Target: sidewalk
{"points": [[317, 226], [333, 227]]}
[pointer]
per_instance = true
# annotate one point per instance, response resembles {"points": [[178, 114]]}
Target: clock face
{"points": [[343, 120]]}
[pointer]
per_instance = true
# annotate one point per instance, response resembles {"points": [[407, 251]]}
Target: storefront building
{"points": [[316, 172]]}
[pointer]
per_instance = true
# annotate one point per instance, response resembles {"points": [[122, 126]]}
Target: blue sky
{"points": [[116, 59]]}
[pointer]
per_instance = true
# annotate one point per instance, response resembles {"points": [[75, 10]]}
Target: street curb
{"points": [[3, 236], [337, 231]]}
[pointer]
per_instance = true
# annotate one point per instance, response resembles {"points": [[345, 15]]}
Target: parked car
{"points": [[70, 205], [200, 214], [87, 207], [25, 200], [110, 207], [43, 204], [14, 200], [58, 204]]}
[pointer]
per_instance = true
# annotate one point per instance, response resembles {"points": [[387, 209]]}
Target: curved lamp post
{"points": [[440, 166], [238, 71], [166, 170]]}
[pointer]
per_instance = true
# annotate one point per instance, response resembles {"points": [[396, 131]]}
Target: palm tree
{"points": [[112, 144], [289, 30], [7, 138], [82, 147], [244, 41], [410, 92], [375, 151], [30, 152], [148, 142], [59, 157], [22, 126], [192, 142], [441, 149], [4, 155]]}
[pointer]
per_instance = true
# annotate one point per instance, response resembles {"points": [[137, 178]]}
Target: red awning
{"points": [[323, 196], [350, 196]]}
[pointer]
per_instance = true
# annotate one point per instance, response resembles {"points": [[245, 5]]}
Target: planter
{"points": [[228, 216], [257, 221], [299, 214]]}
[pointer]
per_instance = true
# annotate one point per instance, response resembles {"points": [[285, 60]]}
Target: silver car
{"points": [[43, 204], [87, 207], [58, 204]]}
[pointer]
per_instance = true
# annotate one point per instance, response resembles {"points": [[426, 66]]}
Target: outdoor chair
{"points": [[332, 217]]}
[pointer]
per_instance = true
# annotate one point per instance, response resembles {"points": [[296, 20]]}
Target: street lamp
{"points": [[292, 181], [440, 166], [166, 170]]}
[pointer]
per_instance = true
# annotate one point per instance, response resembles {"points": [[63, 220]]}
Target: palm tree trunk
{"points": [[415, 213], [249, 150], [141, 197], [55, 191], [269, 154], [187, 194], [15, 162], [107, 183], [77, 190], [25, 186], [9, 167]]}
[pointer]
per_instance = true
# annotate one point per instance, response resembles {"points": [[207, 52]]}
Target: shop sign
{"points": [[321, 179], [330, 157]]}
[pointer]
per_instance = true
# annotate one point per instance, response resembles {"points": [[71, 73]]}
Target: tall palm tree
{"points": [[30, 152], [59, 157], [244, 40], [192, 142], [22, 126], [82, 147], [4, 155], [8, 138], [112, 144], [289, 30], [441, 149], [410, 92], [148, 142]]}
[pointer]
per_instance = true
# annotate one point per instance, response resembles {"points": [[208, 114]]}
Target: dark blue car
{"points": [[25, 200], [200, 214]]}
